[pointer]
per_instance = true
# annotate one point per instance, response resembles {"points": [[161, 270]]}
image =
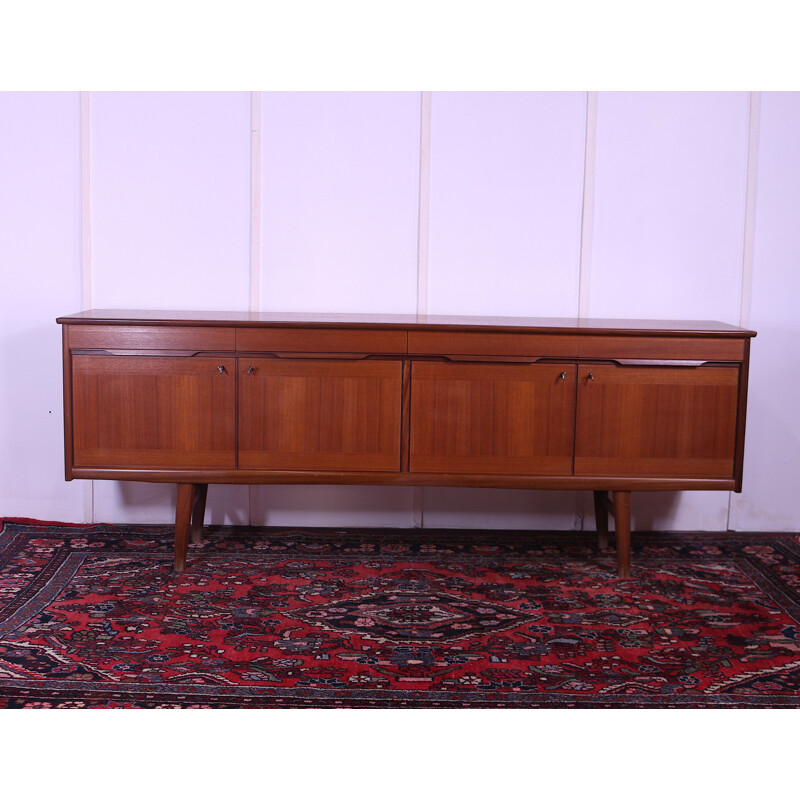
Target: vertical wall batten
{"points": [[255, 201], [255, 246], [587, 212], [582, 501], [86, 217], [424, 201], [86, 249], [424, 212], [748, 239], [748, 246]]}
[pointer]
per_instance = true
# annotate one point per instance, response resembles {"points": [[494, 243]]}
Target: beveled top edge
{"points": [[420, 321]]}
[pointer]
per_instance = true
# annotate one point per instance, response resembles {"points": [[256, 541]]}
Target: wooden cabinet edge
{"points": [[466, 480], [741, 419], [67, 387]]}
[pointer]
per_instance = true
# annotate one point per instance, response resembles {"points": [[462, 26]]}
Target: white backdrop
{"points": [[671, 205]]}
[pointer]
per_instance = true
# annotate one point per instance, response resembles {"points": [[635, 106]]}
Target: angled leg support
{"points": [[601, 508], [198, 511], [621, 510]]}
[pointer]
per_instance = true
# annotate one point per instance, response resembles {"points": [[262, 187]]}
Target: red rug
{"points": [[93, 616]]}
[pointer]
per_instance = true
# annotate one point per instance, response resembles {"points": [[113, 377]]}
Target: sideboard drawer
{"points": [[533, 345], [673, 348], [150, 337], [321, 340]]}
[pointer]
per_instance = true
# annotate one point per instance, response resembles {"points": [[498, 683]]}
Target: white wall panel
{"points": [[506, 192], [140, 503], [500, 509], [671, 169], [170, 216], [669, 201], [40, 280], [505, 203], [340, 189], [340, 198], [679, 511], [170, 194], [771, 500], [345, 506]]}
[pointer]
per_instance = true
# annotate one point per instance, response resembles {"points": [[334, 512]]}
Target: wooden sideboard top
{"points": [[273, 319]]}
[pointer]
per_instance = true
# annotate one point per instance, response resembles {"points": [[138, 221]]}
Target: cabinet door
{"points": [[153, 412], [656, 421], [492, 418], [309, 414]]}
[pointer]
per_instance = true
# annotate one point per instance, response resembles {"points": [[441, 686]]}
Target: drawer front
{"points": [[677, 348], [534, 345], [150, 337], [492, 418], [321, 340]]}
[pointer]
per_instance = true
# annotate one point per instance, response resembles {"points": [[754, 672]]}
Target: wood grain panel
{"points": [[656, 421], [319, 415], [661, 347], [315, 340], [492, 344], [492, 418], [150, 337], [136, 412]]}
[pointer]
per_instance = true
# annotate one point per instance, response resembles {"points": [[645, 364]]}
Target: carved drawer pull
{"points": [[660, 362], [590, 376], [251, 370], [221, 369], [563, 376]]}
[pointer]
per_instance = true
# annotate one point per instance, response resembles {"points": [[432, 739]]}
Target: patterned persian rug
{"points": [[93, 616]]}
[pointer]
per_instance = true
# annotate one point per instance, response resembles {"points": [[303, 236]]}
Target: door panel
{"points": [[492, 418], [656, 421], [151, 412], [319, 414]]}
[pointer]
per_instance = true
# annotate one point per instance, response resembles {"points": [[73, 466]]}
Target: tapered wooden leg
{"points": [[622, 519], [183, 521], [198, 511], [601, 518]]}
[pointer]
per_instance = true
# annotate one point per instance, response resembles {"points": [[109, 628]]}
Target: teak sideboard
{"points": [[611, 406]]}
